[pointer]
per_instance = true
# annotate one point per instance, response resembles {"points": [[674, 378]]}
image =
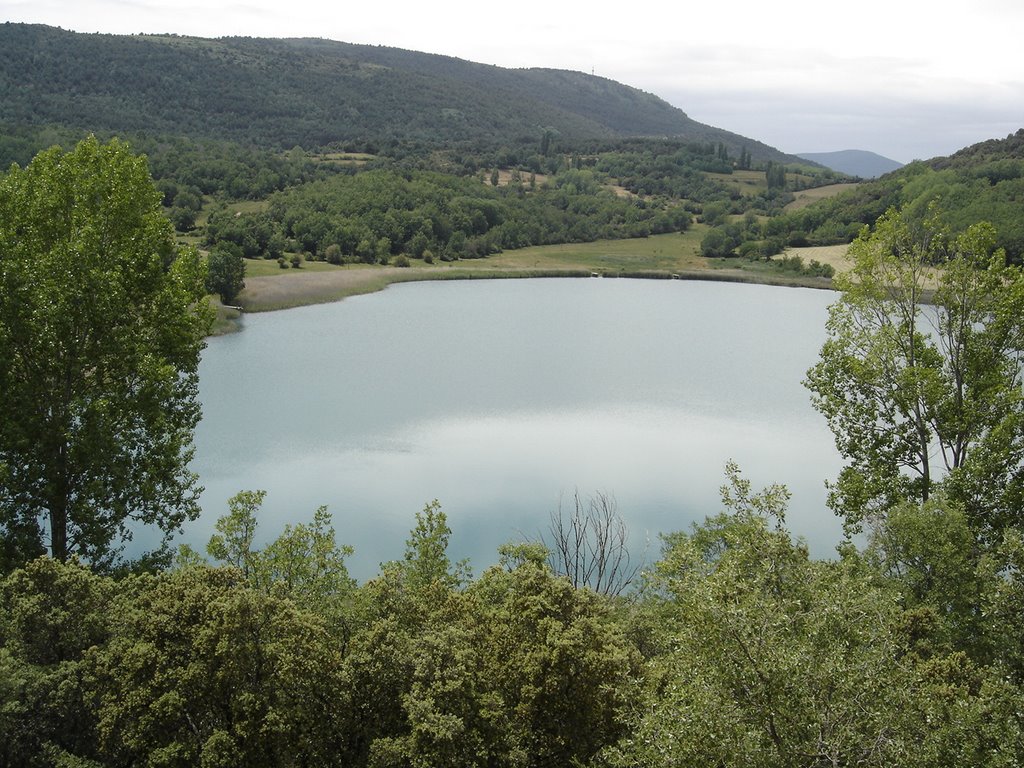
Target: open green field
{"points": [[744, 182], [659, 253], [270, 268], [347, 158]]}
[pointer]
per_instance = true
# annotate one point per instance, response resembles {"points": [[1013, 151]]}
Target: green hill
{"points": [[315, 93], [983, 182]]}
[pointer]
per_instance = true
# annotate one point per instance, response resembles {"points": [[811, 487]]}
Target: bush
{"points": [[750, 250], [333, 253], [717, 243]]}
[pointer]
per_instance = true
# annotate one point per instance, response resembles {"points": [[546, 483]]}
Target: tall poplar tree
{"points": [[919, 394], [102, 321]]}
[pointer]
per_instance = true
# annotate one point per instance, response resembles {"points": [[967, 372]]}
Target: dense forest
{"points": [[560, 157], [448, 204], [314, 93]]}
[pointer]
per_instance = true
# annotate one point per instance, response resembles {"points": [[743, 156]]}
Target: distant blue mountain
{"points": [[853, 162]]}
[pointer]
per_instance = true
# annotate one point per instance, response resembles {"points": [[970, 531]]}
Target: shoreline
{"points": [[280, 292]]}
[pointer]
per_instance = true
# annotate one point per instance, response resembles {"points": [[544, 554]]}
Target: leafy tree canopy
{"points": [[101, 326], [921, 396]]}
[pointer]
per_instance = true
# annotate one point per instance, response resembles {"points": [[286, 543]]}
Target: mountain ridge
{"points": [[315, 92], [854, 162]]}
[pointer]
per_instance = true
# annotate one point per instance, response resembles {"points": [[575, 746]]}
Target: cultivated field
{"points": [[834, 255], [807, 196]]}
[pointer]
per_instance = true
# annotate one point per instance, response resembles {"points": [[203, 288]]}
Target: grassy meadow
{"points": [[269, 287]]}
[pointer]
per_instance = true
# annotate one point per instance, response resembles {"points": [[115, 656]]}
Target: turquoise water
{"points": [[499, 398]]}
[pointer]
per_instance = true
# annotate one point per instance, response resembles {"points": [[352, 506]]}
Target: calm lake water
{"points": [[500, 397]]}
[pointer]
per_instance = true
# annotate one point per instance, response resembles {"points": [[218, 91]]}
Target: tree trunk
{"points": [[59, 530], [58, 505]]}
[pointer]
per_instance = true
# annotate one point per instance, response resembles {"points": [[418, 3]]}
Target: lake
{"points": [[499, 398]]}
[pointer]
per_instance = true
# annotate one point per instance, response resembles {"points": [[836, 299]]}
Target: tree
{"points": [[717, 243], [521, 669], [744, 162], [920, 396], [51, 615], [590, 545], [930, 552], [202, 669], [232, 544], [101, 326], [426, 559], [226, 274], [772, 658], [775, 175], [304, 563]]}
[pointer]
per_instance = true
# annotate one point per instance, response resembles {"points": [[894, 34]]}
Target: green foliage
{"points": [[370, 216], [51, 614], [794, 265], [740, 650], [979, 183], [899, 383], [305, 563], [774, 659], [232, 544], [1002, 608], [526, 670], [932, 554], [775, 175], [219, 674], [719, 242], [100, 335], [225, 271], [251, 233], [312, 93]]}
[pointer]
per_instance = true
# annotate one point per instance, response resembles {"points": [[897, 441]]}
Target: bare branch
{"points": [[589, 545]]}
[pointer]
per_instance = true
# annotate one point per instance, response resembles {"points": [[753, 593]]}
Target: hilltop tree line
{"points": [[278, 94]]}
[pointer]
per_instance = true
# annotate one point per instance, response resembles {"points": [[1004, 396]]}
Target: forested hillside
{"points": [[561, 156], [983, 182], [312, 93]]}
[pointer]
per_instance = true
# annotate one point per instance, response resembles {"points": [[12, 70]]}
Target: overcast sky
{"points": [[903, 78]]}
